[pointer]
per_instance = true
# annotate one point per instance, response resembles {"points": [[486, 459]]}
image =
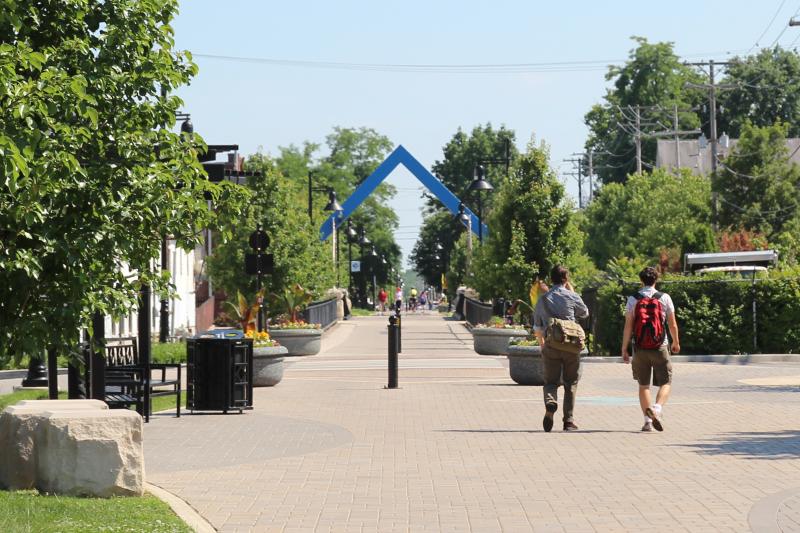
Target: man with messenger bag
{"points": [[562, 339]]}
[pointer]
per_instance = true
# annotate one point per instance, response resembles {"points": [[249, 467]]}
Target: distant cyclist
{"points": [[412, 300], [423, 300]]}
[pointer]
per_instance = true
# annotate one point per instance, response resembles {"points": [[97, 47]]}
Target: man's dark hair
{"points": [[559, 275], [649, 276]]}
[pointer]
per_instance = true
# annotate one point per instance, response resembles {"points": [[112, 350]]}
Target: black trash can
{"points": [[219, 372]]}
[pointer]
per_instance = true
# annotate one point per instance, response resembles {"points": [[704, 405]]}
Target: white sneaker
{"points": [[648, 426]]}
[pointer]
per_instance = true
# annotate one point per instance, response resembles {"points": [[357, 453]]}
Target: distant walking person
{"points": [[562, 340], [382, 297], [648, 314], [398, 299]]}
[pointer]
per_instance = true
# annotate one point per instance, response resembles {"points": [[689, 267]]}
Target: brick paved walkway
{"points": [[460, 447]]}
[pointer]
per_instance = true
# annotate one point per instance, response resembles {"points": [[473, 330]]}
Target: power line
{"points": [[768, 26], [453, 68]]}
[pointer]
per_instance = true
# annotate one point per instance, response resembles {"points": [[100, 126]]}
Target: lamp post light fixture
{"points": [[351, 235], [374, 267], [363, 242], [479, 185], [333, 205]]}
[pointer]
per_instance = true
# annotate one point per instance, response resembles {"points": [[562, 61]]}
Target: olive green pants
{"points": [[559, 365]]}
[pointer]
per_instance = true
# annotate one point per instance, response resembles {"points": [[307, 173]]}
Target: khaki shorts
{"points": [[656, 362]]}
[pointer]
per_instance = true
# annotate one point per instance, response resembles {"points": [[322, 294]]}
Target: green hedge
{"points": [[715, 316]]}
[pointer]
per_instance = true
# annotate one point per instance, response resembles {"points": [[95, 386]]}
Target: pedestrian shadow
{"points": [[535, 430], [748, 388], [752, 445]]}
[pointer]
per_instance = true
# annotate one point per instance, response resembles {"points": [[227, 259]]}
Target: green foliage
{"points": [[299, 256], [764, 89], [93, 176], [246, 312], [759, 188], [648, 215], [291, 301], [168, 352], [28, 510], [715, 315], [653, 78], [532, 229], [461, 154]]}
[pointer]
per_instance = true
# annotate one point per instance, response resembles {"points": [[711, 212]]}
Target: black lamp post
{"points": [[373, 256], [351, 238], [363, 242], [163, 315], [334, 206], [478, 185]]}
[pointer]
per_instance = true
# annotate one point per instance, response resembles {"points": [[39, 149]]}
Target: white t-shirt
{"points": [[398, 295], [666, 303]]}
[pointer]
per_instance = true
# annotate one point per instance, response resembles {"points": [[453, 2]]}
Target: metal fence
{"points": [[323, 313], [477, 312]]}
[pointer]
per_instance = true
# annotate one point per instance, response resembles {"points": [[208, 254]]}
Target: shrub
{"points": [[715, 315]]}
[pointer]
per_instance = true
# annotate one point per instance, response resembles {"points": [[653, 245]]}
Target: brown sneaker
{"points": [[655, 418], [570, 426]]}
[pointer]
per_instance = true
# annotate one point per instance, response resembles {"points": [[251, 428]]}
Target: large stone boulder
{"points": [[20, 430], [71, 447], [92, 453]]}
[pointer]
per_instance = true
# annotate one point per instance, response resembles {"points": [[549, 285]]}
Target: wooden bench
{"points": [[126, 378]]}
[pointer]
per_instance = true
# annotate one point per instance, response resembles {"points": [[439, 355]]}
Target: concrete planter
{"points": [[268, 365], [525, 365], [299, 341], [494, 341]]}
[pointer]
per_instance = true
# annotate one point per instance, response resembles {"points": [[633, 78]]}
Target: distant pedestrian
{"points": [[562, 340], [382, 297], [423, 300], [398, 299], [648, 314]]}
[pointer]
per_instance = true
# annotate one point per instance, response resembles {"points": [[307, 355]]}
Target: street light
{"points": [[334, 206], [351, 238], [363, 242], [479, 185], [374, 265]]}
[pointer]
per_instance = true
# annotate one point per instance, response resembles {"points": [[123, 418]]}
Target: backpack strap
{"points": [[657, 295], [638, 296]]}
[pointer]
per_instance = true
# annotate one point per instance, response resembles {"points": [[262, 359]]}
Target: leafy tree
{"points": [[766, 90], [532, 229], [461, 154], [654, 78], [93, 176], [299, 256], [758, 187], [650, 214]]}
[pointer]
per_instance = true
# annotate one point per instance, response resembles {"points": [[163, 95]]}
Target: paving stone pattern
{"points": [[459, 447]]}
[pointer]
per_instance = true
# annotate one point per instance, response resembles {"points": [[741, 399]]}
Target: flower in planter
{"points": [[261, 339], [295, 324], [527, 341], [292, 301]]}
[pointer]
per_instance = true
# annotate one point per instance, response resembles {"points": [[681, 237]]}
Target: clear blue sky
{"points": [[262, 105]]}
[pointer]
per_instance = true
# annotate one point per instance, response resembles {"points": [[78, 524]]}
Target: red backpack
{"points": [[649, 321]]}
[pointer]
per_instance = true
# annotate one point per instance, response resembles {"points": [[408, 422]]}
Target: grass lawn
{"points": [[29, 511], [162, 403], [356, 311]]}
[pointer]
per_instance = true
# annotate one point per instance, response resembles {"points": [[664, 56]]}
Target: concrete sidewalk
{"points": [[459, 447]]}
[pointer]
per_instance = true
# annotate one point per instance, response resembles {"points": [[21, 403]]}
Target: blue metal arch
{"points": [[400, 156]]}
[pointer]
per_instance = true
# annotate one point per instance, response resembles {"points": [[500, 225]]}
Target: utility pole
{"points": [[712, 87], [638, 140], [591, 173], [677, 139], [578, 176]]}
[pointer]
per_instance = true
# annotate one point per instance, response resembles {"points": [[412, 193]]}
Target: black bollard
{"points": [[393, 341], [37, 373]]}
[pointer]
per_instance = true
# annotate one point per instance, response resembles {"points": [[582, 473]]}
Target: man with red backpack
{"points": [[648, 314]]}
